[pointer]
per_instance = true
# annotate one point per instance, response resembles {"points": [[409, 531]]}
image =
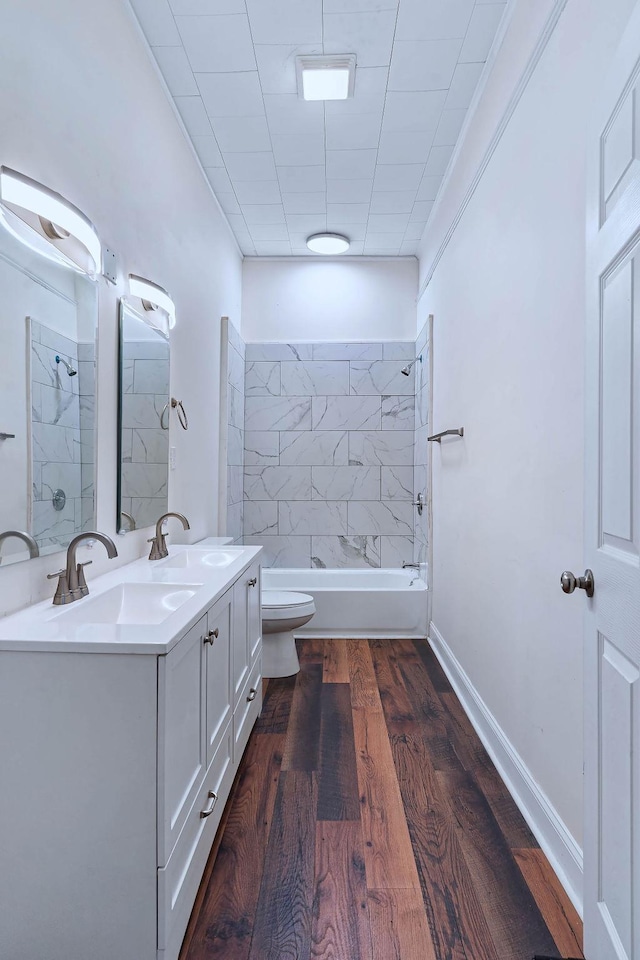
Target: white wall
{"points": [[296, 300], [98, 128], [508, 299]]}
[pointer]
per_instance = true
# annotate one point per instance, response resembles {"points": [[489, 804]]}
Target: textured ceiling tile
{"points": [[295, 203], [271, 231], [369, 35], [481, 32], [405, 147], [423, 64], [277, 65], [231, 94], [387, 223], [289, 116], [191, 8], [262, 214], [350, 164], [301, 151], [260, 191], [393, 201], [273, 248], [358, 6], [285, 21], [405, 112], [428, 189], [435, 20], [449, 127], [352, 231], [357, 132], [349, 191], [208, 151], [421, 210], [438, 161], [176, 71], [157, 22], [415, 230], [194, 116], [228, 202], [251, 166], [463, 85], [348, 212], [394, 176], [241, 134], [301, 179], [217, 44], [219, 179], [305, 223]]}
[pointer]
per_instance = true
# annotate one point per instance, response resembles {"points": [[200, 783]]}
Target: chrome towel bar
{"points": [[447, 433]]}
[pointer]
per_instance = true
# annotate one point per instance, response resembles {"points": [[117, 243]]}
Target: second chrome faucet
{"points": [[159, 542]]}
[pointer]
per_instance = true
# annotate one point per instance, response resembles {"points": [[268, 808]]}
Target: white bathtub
{"points": [[376, 604]]}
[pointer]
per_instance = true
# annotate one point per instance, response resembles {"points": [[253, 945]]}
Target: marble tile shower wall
{"points": [[235, 433], [421, 455], [145, 388], [329, 439], [55, 426]]}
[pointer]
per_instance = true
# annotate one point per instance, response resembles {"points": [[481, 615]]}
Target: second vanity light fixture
{"points": [[153, 298], [48, 223]]}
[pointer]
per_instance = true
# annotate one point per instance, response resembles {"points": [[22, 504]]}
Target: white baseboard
{"points": [[556, 841]]}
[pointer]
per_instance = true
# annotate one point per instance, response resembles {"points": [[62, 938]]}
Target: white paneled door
{"points": [[612, 623]]}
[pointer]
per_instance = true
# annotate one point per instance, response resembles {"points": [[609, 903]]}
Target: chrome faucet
{"points": [[405, 564], [159, 542], [72, 584], [21, 535]]}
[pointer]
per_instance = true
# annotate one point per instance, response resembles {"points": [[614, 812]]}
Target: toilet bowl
{"points": [[282, 613]]}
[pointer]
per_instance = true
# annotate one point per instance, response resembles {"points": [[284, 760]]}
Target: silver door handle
{"points": [[252, 694], [211, 636], [209, 809], [252, 582], [569, 582]]}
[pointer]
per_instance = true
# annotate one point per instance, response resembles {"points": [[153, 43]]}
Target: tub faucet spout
{"points": [[406, 564]]}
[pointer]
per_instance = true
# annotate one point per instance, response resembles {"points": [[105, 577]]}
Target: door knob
{"points": [[569, 582]]}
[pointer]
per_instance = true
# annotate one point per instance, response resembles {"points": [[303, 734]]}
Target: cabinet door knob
{"points": [[211, 636], [252, 582], [252, 694], [208, 810]]}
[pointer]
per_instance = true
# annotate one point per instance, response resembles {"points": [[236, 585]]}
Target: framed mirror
{"points": [[143, 417], [48, 324]]}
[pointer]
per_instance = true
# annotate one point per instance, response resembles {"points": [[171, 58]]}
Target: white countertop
{"points": [[43, 627]]}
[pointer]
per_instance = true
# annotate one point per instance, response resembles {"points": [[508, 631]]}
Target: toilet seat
{"points": [[283, 605], [277, 599]]}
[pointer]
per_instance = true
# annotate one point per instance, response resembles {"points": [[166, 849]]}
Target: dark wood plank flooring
{"points": [[368, 823]]}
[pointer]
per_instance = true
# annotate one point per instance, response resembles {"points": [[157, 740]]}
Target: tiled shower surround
{"points": [[329, 465], [235, 430]]}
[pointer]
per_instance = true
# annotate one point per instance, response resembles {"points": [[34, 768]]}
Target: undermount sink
{"points": [[130, 604], [202, 559]]}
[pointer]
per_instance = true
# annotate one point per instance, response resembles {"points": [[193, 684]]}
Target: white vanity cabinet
{"points": [[115, 768]]}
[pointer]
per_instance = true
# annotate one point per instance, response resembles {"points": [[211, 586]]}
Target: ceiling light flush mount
{"points": [[326, 78], [41, 218], [328, 243], [153, 297]]}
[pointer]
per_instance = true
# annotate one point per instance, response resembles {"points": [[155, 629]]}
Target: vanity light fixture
{"points": [[328, 243], [28, 207], [326, 78], [153, 297]]}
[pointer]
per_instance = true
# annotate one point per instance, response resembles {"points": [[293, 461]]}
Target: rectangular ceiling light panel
{"points": [[326, 78]]}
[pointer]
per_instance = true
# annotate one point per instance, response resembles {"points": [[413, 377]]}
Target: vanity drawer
{"points": [[178, 882], [247, 711]]}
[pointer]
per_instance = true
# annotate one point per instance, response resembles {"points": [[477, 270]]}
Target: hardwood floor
{"points": [[368, 823]]}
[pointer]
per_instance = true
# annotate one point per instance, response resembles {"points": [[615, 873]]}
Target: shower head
{"points": [[407, 370], [70, 370]]}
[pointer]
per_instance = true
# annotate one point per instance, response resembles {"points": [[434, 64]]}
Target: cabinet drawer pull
{"points": [[252, 694], [252, 582], [209, 809], [211, 636]]}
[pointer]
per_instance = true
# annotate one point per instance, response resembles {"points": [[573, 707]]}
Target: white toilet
{"points": [[282, 613]]}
